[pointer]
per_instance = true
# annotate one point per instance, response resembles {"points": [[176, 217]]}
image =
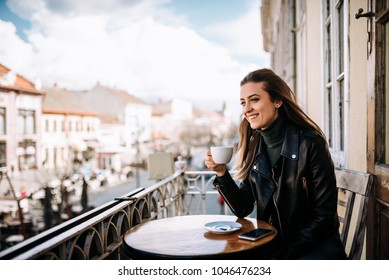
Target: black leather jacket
{"points": [[298, 195]]}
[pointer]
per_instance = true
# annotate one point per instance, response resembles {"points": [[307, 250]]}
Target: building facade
{"points": [[69, 131], [20, 117], [335, 56], [125, 125]]}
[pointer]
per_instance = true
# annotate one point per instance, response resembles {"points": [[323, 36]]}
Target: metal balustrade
{"points": [[98, 234]]}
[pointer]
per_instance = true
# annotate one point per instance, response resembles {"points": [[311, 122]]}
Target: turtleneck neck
{"points": [[275, 133], [273, 136]]}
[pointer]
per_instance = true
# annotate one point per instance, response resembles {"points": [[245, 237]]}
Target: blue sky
{"points": [[204, 13], [191, 49], [7, 15]]}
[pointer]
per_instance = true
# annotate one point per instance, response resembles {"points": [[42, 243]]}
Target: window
{"points": [[63, 154], [2, 121], [55, 158], [382, 83], [45, 156], [3, 154], [335, 76], [47, 126], [26, 155], [26, 122], [386, 129]]}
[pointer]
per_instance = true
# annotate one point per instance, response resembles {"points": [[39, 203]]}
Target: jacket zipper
{"points": [[304, 183], [275, 203], [305, 187]]}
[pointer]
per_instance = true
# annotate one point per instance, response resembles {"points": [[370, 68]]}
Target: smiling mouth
{"points": [[252, 117]]}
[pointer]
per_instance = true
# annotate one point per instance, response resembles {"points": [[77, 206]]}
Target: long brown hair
{"points": [[249, 138]]}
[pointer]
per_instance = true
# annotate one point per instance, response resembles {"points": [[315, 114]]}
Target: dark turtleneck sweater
{"points": [[274, 137]]}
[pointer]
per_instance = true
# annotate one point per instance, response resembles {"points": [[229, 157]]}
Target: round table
{"points": [[185, 237]]}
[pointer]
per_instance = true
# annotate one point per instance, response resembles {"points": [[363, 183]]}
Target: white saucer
{"points": [[223, 227]]}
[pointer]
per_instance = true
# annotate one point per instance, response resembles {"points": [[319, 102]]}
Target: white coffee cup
{"points": [[222, 154]]}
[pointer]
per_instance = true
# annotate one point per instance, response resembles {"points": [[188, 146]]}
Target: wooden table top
{"points": [[186, 237]]}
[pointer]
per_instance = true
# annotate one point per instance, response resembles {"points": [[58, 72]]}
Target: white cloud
{"points": [[141, 48], [14, 52], [243, 35]]}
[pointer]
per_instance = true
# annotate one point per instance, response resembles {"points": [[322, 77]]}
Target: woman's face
{"points": [[258, 108]]}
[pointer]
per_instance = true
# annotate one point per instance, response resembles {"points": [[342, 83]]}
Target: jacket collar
{"points": [[291, 143], [289, 147]]}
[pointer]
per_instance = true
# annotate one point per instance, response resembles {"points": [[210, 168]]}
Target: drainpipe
{"points": [[294, 44]]}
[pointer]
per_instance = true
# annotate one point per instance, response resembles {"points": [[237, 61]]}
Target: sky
{"points": [[196, 50]]}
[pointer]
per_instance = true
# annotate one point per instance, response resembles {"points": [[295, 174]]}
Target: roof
{"points": [[10, 81], [59, 101], [162, 108], [109, 103]]}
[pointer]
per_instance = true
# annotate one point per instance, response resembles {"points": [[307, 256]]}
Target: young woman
{"points": [[284, 166]]}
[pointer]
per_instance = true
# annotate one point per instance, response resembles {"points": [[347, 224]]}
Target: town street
{"points": [[104, 195]]}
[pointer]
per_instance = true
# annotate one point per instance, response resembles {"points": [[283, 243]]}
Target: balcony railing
{"points": [[98, 234]]}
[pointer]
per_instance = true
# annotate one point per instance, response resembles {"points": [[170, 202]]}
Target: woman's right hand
{"points": [[220, 169]]}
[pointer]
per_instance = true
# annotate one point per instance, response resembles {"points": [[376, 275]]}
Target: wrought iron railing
{"points": [[98, 234]]}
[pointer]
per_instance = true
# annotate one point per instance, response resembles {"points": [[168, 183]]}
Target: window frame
{"points": [[336, 83], [3, 153], [382, 85], [26, 122]]}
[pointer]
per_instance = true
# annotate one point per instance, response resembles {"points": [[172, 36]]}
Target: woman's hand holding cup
{"points": [[217, 158]]}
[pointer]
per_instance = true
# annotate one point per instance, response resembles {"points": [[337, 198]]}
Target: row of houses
{"points": [[52, 129], [335, 56]]}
